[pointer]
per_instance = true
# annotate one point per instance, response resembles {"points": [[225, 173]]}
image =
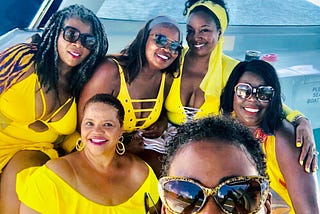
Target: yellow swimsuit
{"points": [[130, 119], [44, 191], [179, 114], [17, 112]]}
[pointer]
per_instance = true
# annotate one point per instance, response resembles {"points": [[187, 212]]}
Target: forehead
{"points": [[100, 108], [209, 162], [250, 77], [83, 27], [166, 29], [201, 17]]}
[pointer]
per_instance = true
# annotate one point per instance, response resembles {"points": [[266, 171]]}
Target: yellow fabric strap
{"points": [[212, 82], [291, 115]]}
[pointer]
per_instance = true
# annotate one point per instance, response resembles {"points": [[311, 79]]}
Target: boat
{"points": [[274, 28]]}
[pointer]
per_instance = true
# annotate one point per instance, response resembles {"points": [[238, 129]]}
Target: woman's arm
{"points": [[302, 187], [304, 138], [24, 209], [104, 80]]}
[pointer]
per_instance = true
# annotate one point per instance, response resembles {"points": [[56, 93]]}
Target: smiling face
{"points": [[161, 57], [100, 128], [202, 33], [211, 156], [250, 111], [72, 54]]}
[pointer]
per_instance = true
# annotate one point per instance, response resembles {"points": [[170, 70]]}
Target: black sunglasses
{"points": [[263, 93], [72, 34], [242, 194], [162, 41]]}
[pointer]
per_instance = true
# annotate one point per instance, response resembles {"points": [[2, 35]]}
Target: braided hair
{"points": [[189, 3], [215, 130], [47, 56]]}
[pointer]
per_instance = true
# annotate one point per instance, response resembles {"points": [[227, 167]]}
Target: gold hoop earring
{"points": [[120, 148], [79, 145]]}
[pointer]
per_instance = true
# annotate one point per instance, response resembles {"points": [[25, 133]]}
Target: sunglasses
{"points": [[162, 41], [263, 93], [243, 194], [72, 34]]}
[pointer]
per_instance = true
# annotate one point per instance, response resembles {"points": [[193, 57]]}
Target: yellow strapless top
{"points": [[44, 191], [130, 119]]}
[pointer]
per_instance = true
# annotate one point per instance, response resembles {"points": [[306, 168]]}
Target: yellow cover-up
{"points": [[44, 191], [17, 108], [280, 197]]}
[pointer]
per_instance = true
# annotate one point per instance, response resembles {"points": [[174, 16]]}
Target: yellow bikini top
{"points": [[130, 119]]}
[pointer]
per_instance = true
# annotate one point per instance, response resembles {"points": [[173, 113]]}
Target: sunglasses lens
{"points": [[243, 91], [162, 41], [265, 93], [240, 196], [88, 41], [183, 196], [70, 34]]}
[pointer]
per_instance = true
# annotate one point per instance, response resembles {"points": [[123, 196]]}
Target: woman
{"points": [[100, 178], [253, 95], [38, 87], [140, 77], [237, 184], [206, 69]]}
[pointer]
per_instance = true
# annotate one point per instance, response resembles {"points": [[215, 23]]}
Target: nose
{"points": [[211, 207], [98, 129]]}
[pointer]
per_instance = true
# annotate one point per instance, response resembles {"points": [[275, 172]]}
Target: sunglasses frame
{"points": [[168, 41], [82, 36], [254, 91], [207, 192]]}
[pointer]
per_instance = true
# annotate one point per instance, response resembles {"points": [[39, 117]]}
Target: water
{"points": [[251, 12]]}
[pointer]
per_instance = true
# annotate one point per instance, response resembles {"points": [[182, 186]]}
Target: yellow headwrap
{"points": [[212, 82]]}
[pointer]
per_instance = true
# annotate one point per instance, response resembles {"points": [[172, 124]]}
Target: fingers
{"points": [[306, 150], [315, 162], [309, 160]]}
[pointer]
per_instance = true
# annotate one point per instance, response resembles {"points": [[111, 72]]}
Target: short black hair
{"points": [[108, 100]]}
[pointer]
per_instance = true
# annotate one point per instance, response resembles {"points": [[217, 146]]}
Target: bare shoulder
{"points": [[139, 170], [285, 133], [107, 69], [63, 167]]}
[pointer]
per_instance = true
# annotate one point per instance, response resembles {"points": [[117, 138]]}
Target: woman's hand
{"points": [[133, 142], [305, 138]]}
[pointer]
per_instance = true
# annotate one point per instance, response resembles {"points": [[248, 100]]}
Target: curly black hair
{"points": [[47, 56], [212, 128]]}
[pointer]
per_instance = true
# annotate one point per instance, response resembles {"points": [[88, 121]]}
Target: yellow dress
{"points": [[178, 114], [17, 110], [130, 119], [44, 191], [281, 202]]}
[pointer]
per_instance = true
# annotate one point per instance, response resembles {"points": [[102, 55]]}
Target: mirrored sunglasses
{"points": [[243, 194], [262, 93], [162, 41], [72, 34]]}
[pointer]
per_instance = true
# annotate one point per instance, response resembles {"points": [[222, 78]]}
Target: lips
{"points": [[251, 109], [163, 56], [199, 45], [74, 54], [98, 141]]}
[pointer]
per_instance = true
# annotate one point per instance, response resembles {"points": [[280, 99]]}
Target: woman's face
{"points": [[72, 54], [250, 111], [100, 128], [159, 57], [202, 33], [206, 163]]}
